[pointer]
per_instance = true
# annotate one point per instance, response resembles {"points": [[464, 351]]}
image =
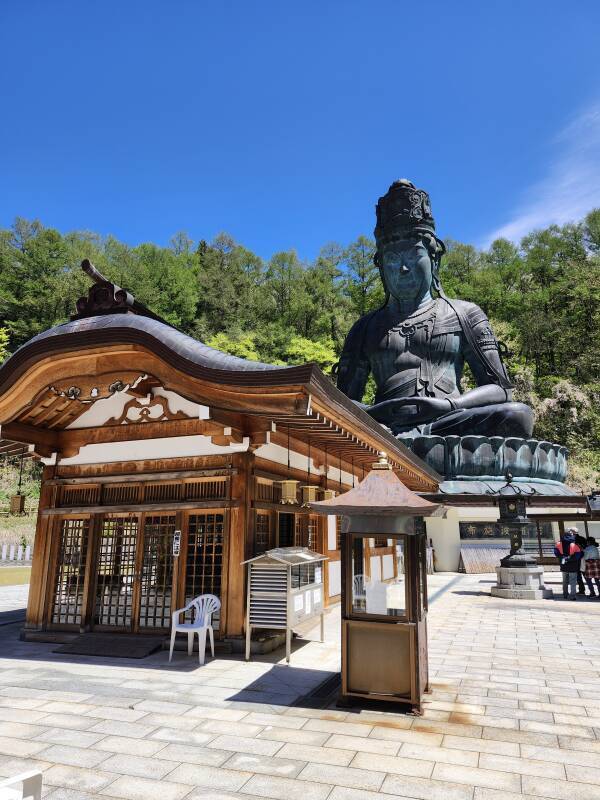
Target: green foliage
{"points": [[542, 297], [301, 351], [244, 346], [363, 285], [3, 344]]}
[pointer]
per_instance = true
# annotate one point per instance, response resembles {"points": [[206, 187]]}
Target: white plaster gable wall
{"points": [[179, 403], [109, 408]]}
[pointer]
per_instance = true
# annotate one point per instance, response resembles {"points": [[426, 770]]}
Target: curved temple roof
{"points": [[124, 328], [301, 397]]}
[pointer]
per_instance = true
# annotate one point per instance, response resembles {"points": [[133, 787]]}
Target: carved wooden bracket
{"points": [[150, 409]]}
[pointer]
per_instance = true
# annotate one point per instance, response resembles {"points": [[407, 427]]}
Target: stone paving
{"points": [[514, 713]]}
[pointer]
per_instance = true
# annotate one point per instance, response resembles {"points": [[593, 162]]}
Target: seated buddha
{"points": [[417, 343]]}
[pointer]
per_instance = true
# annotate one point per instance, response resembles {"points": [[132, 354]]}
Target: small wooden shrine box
{"points": [[384, 589]]}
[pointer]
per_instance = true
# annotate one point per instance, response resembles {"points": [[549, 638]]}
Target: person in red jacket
{"points": [[569, 555]]}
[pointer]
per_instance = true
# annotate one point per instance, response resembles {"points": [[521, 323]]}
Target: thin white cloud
{"points": [[572, 186]]}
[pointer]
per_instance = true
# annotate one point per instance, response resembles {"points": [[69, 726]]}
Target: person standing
{"points": [[581, 542], [569, 556], [591, 566]]}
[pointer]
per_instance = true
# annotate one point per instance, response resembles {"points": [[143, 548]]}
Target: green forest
{"points": [[542, 297]]}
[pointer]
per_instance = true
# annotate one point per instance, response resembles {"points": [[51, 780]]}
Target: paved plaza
{"points": [[514, 713]]}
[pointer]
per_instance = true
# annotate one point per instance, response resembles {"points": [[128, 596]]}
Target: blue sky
{"points": [[283, 122]]}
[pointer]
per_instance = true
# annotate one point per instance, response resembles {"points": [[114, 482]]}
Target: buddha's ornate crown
{"points": [[404, 210]]}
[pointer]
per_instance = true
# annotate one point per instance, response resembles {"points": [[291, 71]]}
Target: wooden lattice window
{"points": [[264, 492], [312, 532], [204, 567], [262, 533], [338, 533], [116, 572], [80, 495], [162, 493], [305, 531], [70, 574], [157, 571], [120, 494], [207, 489]]}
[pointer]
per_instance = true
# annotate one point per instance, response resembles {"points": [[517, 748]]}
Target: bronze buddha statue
{"points": [[416, 344]]}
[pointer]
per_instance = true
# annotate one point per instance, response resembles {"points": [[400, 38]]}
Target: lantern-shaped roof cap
{"points": [[381, 493]]}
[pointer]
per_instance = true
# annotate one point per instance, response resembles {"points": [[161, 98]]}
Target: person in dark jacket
{"points": [[569, 556], [581, 542]]}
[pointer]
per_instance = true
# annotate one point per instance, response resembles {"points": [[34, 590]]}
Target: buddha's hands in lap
{"points": [[410, 410]]}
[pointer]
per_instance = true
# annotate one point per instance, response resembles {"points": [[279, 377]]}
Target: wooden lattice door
{"points": [[156, 576], [116, 584], [69, 579], [205, 557]]}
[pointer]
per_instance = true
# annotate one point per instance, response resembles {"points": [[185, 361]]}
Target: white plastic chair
{"points": [[202, 607], [31, 787]]}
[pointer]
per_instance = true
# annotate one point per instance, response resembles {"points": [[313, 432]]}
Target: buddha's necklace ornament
{"points": [[423, 319]]}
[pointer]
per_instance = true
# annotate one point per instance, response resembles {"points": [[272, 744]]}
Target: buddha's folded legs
{"points": [[499, 419]]}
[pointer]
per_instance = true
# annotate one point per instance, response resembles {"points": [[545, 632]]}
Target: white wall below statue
{"points": [[444, 532]]}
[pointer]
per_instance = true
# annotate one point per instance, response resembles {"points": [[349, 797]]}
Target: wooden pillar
{"points": [[89, 584], [240, 520], [42, 566]]}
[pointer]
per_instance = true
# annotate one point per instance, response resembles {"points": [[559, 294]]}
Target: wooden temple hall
{"points": [[168, 463]]}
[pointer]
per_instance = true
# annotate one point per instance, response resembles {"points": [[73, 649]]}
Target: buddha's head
{"points": [[408, 251]]}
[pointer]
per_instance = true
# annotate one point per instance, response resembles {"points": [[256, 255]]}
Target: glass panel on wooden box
{"points": [[378, 583], [304, 574]]}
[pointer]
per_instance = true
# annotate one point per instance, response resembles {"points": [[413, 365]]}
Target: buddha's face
{"points": [[407, 268]]}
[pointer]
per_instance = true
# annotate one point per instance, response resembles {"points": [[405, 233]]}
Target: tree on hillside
{"points": [[3, 344], [542, 297], [363, 285]]}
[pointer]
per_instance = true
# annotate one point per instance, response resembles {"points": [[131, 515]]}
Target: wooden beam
{"points": [[126, 509], [78, 437], [121, 469], [145, 476], [29, 434], [225, 439]]}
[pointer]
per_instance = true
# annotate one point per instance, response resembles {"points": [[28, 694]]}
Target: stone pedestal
{"points": [[521, 583]]}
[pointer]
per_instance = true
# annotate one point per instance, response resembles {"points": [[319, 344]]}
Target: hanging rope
{"points": [[353, 472], [21, 471]]}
